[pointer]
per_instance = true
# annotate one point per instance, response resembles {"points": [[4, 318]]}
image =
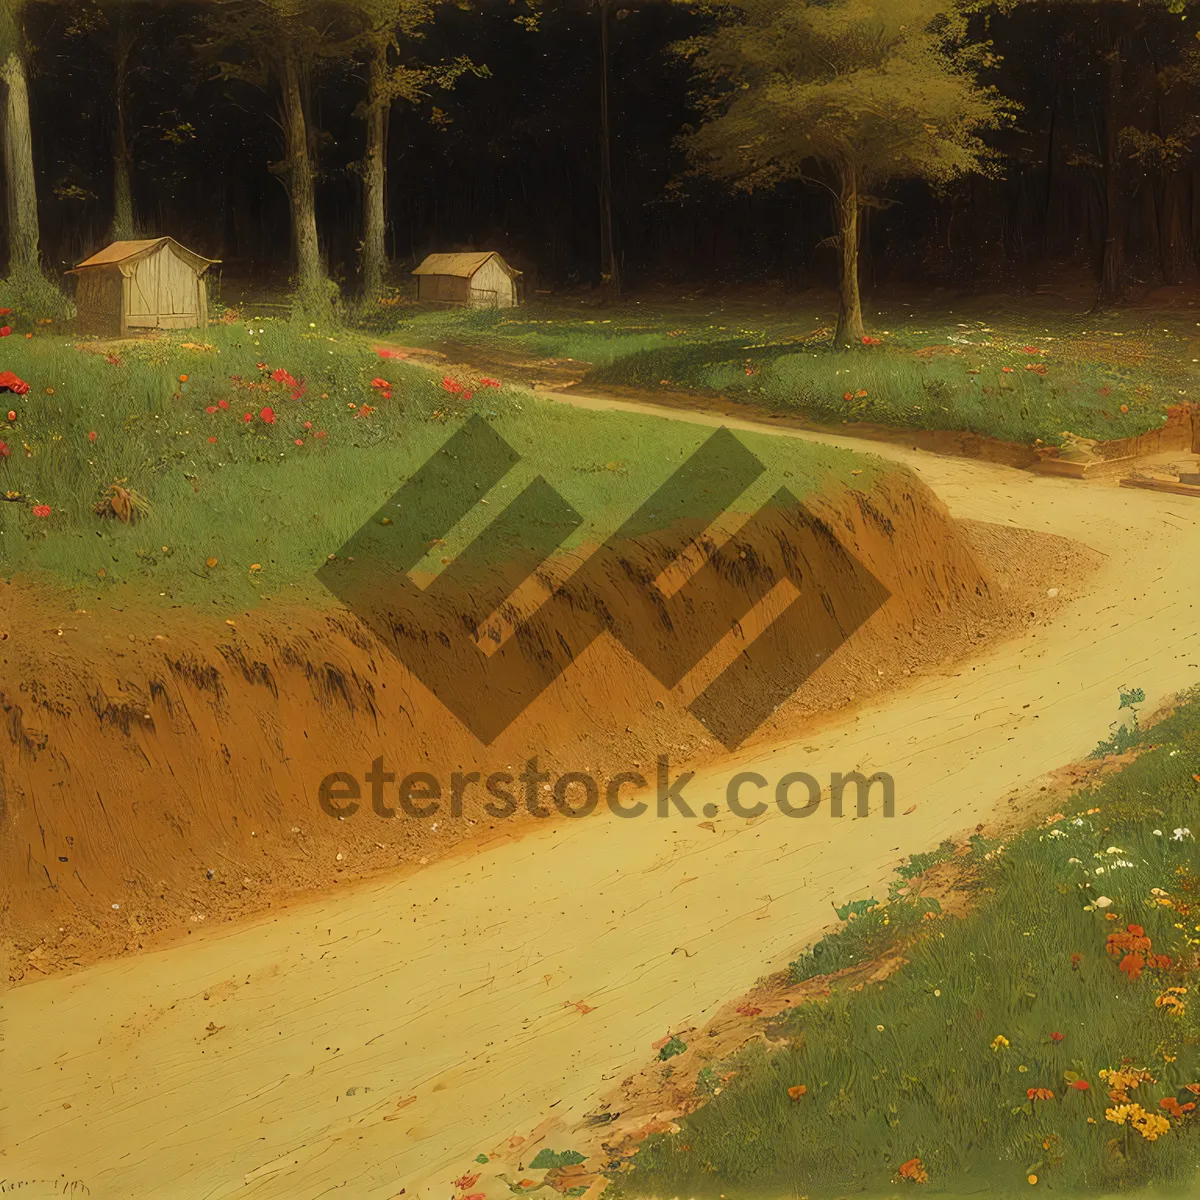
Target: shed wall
{"points": [[98, 300], [492, 287]]}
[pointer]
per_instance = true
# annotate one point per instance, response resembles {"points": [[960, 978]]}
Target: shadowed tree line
{"points": [[328, 143]]}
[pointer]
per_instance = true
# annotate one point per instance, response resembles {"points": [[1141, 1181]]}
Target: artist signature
{"points": [[47, 1187]]}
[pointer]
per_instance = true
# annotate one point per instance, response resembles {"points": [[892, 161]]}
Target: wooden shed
{"points": [[479, 278], [150, 284]]}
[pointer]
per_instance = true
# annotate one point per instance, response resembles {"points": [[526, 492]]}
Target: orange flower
{"points": [[1040, 1094], [797, 1091], [913, 1171]]}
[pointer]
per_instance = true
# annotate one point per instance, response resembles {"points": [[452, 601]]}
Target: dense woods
{"points": [[331, 142]]}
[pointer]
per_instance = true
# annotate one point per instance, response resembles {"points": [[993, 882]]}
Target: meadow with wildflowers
{"points": [[1049, 1038], [224, 466], [1021, 373]]}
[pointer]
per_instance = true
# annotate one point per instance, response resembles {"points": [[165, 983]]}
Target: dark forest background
{"points": [[510, 159]]}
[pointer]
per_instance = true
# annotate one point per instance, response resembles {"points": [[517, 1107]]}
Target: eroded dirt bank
{"points": [[157, 781]]}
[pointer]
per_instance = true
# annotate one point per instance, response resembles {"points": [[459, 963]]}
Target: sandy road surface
{"points": [[381, 1038]]}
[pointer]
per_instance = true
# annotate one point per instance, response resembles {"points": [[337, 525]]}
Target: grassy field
{"points": [[1049, 1038], [260, 447], [1020, 373]]}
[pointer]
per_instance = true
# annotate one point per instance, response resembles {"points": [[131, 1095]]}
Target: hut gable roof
{"points": [[120, 253], [462, 265]]}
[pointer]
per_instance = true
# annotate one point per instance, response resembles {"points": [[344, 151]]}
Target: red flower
{"points": [[467, 395], [321, 434], [268, 415], [387, 395], [380, 383], [92, 436], [4, 450], [299, 441], [5, 311], [212, 441], [1056, 1037], [41, 510], [247, 418], [10, 382], [5, 330], [307, 424], [222, 403], [12, 416], [488, 381], [451, 385], [871, 341], [1136, 930], [848, 396], [1081, 1085], [211, 408], [260, 366]]}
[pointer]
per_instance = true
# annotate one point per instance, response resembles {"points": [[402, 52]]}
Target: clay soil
{"points": [[159, 771]]}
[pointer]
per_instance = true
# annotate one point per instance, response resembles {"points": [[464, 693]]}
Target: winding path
{"points": [[381, 1038]]}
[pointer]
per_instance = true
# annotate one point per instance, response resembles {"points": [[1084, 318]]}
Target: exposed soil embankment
{"points": [[160, 771]]}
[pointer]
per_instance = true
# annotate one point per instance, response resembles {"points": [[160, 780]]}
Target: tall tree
{"points": [[24, 258], [274, 44], [848, 94], [389, 78]]}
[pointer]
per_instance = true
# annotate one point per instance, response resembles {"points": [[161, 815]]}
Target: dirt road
{"points": [[381, 1039]]}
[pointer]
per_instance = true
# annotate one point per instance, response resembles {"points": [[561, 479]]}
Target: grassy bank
{"points": [[1050, 1038], [260, 447], [1007, 372]]}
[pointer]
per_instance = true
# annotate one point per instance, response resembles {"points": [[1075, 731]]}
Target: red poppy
{"points": [[299, 441], [222, 403], [321, 434], [12, 416], [41, 510], [267, 415], [4, 450], [11, 383], [1056, 1037], [467, 395], [5, 330], [1081, 1085], [488, 381], [871, 341], [848, 396], [380, 383], [210, 409], [5, 311], [212, 441], [451, 385], [387, 395], [247, 418], [307, 424], [92, 436]]}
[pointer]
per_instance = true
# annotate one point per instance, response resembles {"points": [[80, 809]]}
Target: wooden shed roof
{"points": [[123, 252], [462, 265]]}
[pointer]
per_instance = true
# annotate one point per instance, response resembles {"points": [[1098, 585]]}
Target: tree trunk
{"points": [[1112, 268], [610, 274], [850, 323], [123, 223], [310, 273], [23, 256], [373, 262]]}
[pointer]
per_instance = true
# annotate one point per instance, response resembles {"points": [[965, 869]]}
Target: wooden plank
{"points": [[1161, 485]]}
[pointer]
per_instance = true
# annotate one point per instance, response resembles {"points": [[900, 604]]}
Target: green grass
{"points": [[911, 1068], [282, 496], [1104, 377]]}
